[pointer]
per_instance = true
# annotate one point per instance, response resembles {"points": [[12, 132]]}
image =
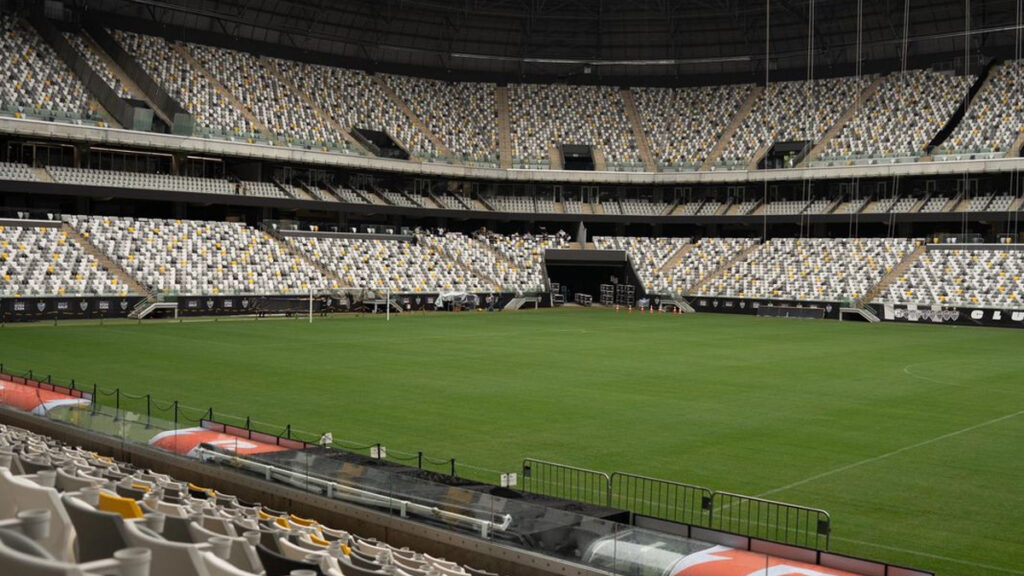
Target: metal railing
{"points": [[567, 482], [770, 520], [663, 499], [682, 503]]}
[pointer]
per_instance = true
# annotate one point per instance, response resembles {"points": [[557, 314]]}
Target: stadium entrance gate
{"points": [[586, 271]]}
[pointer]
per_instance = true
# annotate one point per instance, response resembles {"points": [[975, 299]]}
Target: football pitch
{"points": [[911, 436]]}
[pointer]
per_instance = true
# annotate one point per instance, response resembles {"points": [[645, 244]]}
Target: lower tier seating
{"points": [[71, 512], [969, 277], [812, 268]]}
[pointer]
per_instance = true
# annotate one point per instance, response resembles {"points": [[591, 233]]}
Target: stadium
{"points": [[486, 287]]}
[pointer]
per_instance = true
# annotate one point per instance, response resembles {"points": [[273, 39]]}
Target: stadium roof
{"points": [[607, 40]]}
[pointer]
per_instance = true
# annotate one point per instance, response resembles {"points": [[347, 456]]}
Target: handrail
{"points": [[339, 491]]}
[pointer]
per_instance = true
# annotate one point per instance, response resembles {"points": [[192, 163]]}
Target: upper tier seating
{"points": [[399, 265], [463, 115], [976, 277], [647, 255], [786, 207], [46, 262], [684, 124], [264, 189], [542, 116], [902, 117], [812, 268], [16, 171], [352, 98], [35, 80], [98, 507], [706, 256], [995, 118], [513, 203], [211, 109], [643, 207], [191, 257], [114, 179], [98, 64], [793, 111], [251, 80]]}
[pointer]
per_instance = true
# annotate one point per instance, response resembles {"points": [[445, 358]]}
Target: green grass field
{"points": [[911, 436]]}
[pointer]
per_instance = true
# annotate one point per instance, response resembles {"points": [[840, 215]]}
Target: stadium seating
{"points": [[264, 189], [192, 258], [684, 124], [902, 117], [786, 207], [792, 111], [210, 109], [706, 256], [15, 171], [353, 99], [140, 180], [935, 204], [710, 208], [647, 255], [400, 265], [251, 80], [542, 116], [512, 203], [977, 277], [643, 207], [995, 118], [118, 519], [46, 262], [811, 268], [525, 256], [35, 81], [464, 115], [98, 65], [348, 195]]}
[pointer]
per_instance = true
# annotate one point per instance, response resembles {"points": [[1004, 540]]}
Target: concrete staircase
{"points": [[416, 121], [734, 125], [42, 175], [600, 163], [275, 72], [123, 277], [697, 288], [897, 272], [466, 266], [336, 281], [125, 80], [555, 157], [228, 95], [842, 121], [676, 258], [756, 158], [1018, 147], [629, 103], [504, 127]]}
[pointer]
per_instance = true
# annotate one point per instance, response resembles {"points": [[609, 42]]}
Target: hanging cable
{"points": [[767, 66], [859, 71], [966, 214]]}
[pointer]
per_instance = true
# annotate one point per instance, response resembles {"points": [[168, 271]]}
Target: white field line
{"points": [[890, 454]]}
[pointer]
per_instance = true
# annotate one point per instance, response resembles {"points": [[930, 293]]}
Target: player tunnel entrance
{"points": [[579, 275]]}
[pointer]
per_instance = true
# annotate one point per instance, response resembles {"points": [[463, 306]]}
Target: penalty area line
{"points": [[890, 454]]}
